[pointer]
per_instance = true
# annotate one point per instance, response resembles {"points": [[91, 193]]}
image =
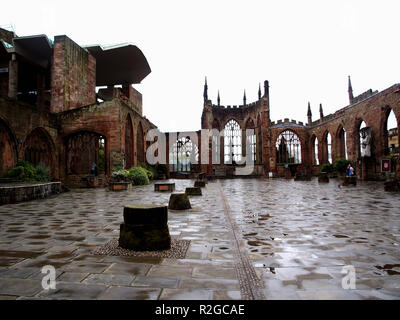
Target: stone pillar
{"points": [[167, 153], [13, 77], [222, 150], [244, 141]]}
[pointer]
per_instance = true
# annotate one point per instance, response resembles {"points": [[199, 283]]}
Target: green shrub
{"points": [[327, 167], [17, 172], [101, 161], [42, 173], [25, 171], [151, 172], [139, 176], [340, 165], [119, 175], [119, 166]]}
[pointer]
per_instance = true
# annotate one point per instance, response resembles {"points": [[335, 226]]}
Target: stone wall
{"points": [[73, 82], [28, 192]]}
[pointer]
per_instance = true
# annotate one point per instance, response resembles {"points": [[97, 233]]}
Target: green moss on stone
{"points": [[179, 201], [144, 238]]}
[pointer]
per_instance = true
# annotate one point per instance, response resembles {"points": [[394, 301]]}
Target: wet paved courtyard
{"points": [[249, 239]]}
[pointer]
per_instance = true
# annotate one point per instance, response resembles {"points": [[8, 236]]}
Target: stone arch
{"points": [[288, 147], [216, 124], [232, 142], [326, 144], [183, 153], [230, 119], [129, 142], [359, 124], [249, 124], [8, 148], [251, 140], [389, 131], [40, 148], [140, 152], [82, 149], [341, 144], [314, 150]]}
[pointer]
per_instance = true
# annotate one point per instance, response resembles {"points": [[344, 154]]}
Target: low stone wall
{"points": [[26, 192]]}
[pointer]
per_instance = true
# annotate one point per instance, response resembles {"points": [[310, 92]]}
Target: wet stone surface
{"points": [[296, 237]]}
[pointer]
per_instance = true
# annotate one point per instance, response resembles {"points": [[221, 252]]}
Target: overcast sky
{"points": [[306, 49]]}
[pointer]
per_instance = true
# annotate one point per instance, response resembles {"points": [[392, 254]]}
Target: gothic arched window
{"points": [[288, 148], [233, 142]]}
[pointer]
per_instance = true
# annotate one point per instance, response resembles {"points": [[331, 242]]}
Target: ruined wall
{"points": [[134, 97], [301, 132], [22, 120], [73, 76], [374, 111], [107, 119], [371, 107]]}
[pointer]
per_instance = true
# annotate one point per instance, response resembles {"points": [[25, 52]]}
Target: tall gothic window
{"points": [[391, 134], [233, 142], [316, 158], [251, 140], [288, 148], [329, 147], [183, 153], [342, 144]]}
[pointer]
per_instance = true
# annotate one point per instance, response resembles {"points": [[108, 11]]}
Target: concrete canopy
{"points": [[120, 64], [37, 49]]}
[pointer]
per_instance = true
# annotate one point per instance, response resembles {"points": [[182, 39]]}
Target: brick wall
{"points": [[73, 76]]}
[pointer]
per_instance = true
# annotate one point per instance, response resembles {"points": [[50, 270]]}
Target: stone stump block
{"points": [[199, 184], [350, 181], [323, 177], [195, 191], [164, 186], [179, 201], [202, 177], [145, 228]]}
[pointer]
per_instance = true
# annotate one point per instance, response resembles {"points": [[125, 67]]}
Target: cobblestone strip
{"points": [[250, 285]]}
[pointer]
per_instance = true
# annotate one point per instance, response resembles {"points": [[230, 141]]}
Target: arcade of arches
{"points": [[364, 132], [69, 143]]}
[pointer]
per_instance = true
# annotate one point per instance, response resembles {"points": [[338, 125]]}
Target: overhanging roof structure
{"points": [[37, 49], [119, 64], [3, 50]]}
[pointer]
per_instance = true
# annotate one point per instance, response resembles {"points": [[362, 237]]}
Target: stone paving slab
{"points": [[133, 269], [129, 293], [295, 239], [19, 287], [186, 294], [142, 281], [109, 279], [74, 291]]}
